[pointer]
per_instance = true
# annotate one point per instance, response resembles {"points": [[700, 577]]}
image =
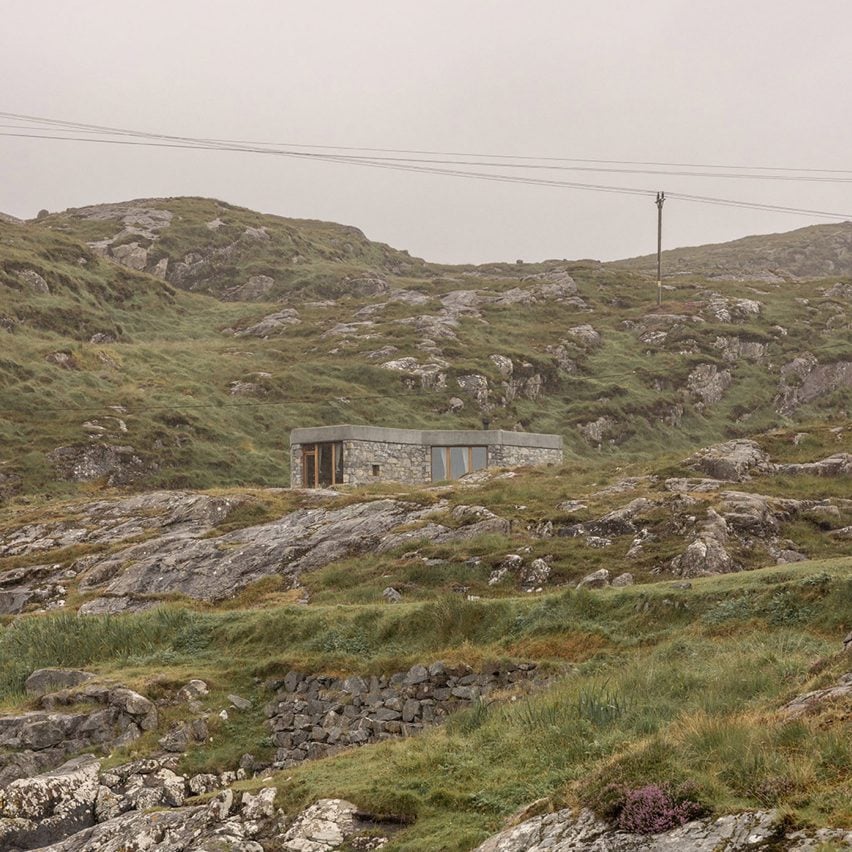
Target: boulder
{"points": [[33, 281], [585, 334], [596, 580], [733, 460], [323, 827], [271, 324], [43, 681], [813, 702]]}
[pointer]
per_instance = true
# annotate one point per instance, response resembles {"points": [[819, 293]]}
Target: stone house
{"points": [[355, 455]]}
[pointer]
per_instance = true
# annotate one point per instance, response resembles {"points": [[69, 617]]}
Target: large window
{"points": [[453, 462], [322, 464]]}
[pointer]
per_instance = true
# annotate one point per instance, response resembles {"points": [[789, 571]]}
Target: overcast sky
{"points": [[742, 82]]}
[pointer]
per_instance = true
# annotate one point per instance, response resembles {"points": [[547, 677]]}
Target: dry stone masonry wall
{"points": [[405, 455], [313, 716]]}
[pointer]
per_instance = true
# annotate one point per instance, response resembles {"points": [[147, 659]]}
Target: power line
{"points": [[139, 138], [483, 176], [528, 158]]}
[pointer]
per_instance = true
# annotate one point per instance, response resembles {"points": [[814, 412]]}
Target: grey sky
{"points": [[754, 82]]}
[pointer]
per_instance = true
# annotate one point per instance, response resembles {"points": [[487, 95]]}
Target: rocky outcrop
{"points": [[117, 465], [817, 700], [598, 431], [430, 376], [840, 464], [271, 324], [37, 811], [805, 379], [216, 568], [42, 739], [707, 553], [731, 460], [256, 289], [732, 310], [569, 831], [313, 716], [219, 825], [708, 383]]}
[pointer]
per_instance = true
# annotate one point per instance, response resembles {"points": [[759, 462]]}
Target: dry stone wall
{"points": [[408, 463], [369, 461], [506, 455], [313, 716]]}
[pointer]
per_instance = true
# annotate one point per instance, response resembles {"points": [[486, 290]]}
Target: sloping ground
{"points": [[727, 508], [818, 251], [575, 655], [111, 376], [683, 691], [211, 247]]}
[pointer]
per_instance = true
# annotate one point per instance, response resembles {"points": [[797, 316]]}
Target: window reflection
{"points": [[454, 462]]}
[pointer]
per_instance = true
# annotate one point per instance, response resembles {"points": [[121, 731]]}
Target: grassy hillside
{"points": [[185, 374], [119, 357], [818, 251], [652, 685]]}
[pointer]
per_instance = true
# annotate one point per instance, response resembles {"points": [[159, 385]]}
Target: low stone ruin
{"points": [[313, 716]]}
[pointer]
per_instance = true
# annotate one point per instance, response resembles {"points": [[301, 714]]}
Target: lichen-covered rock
{"points": [[597, 431], [257, 287], [585, 334], [270, 325], [38, 811], [323, 827], [567, 831], [118, 465], [43, 739], [708, 383], [33, 281], [805, 379], [733, 460], [215, 568]]}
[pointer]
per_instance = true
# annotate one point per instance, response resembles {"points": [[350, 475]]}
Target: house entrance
{"points": [[322, 464]]}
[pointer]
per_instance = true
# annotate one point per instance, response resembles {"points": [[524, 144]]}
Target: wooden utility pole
{"points": [[661, 197]]}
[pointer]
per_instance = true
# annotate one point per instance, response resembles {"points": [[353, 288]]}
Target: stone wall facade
{"points": [[372, 454], [314, 716], [506, 455]]}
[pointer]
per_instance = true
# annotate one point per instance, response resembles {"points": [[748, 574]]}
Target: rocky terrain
{"points": [[817, 251], [646, 647], [118, 367]]}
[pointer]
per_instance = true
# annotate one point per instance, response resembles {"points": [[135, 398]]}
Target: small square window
{"points": [[377, 470]]}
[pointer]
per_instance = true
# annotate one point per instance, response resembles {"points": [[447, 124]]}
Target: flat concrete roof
{"points": [[425, 437]]}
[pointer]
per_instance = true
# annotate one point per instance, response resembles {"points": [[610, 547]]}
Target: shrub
{"points": [[652, 809]]}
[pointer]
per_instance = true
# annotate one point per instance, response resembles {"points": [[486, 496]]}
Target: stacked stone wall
{"points": [[408, 463], [506, 455], [313, 716], [412, 463]]}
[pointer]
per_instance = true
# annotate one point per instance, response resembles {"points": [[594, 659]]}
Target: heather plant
{"points": [[652, 809]]}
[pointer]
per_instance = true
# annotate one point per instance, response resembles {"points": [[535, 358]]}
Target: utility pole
{"points": [[661, 197]]}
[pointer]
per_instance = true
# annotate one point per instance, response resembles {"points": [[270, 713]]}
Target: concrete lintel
{"points": [[425, 437]]}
